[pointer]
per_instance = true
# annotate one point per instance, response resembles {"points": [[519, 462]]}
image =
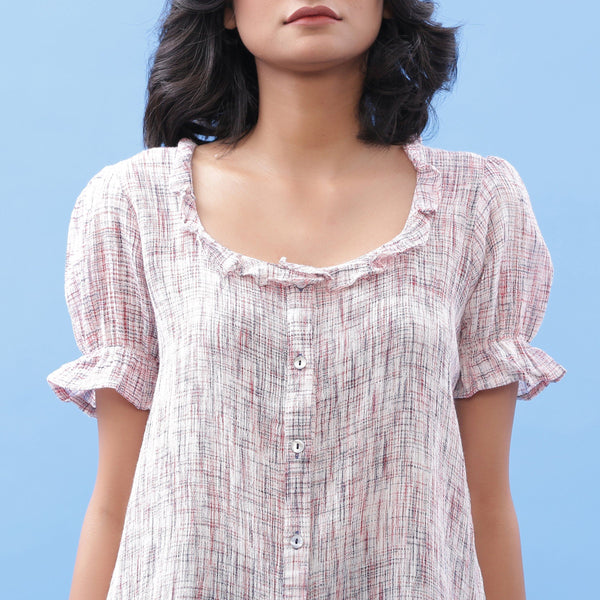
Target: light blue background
{"points": [[72, 102]]}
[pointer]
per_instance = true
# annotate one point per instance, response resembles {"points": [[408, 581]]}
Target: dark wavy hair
{"points": [[203, 80]]}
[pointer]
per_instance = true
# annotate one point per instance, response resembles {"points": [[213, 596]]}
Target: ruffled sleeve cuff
{"points": [[130, 373], [499, 362]]}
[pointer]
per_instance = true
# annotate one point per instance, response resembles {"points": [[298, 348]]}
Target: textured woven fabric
{"points": [[302, 440]]}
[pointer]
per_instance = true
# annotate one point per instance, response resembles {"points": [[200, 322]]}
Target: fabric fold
{"points": [[130, 373], [499, 362]]}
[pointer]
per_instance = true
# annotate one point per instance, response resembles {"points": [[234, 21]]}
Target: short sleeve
{"points": [[108, 301], [508, 300]]}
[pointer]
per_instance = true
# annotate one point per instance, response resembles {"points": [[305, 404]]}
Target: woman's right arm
{"points": [[121, 429]]}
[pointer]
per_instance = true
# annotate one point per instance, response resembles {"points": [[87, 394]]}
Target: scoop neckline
{"points": [[414, 232]]}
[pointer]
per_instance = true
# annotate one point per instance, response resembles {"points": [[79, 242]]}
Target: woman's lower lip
{"points": [[314, 19]]}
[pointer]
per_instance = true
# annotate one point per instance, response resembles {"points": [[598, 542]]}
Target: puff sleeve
{"points": [[108, 301], [507, 303]]}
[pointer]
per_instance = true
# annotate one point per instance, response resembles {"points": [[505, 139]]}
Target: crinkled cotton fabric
{"points": [[302, 441]]}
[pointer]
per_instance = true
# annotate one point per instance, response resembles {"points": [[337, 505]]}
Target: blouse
{"points": [[302, 441]]}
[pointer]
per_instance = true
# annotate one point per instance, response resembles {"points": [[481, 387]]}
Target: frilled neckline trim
{"points": [[415, 232]]}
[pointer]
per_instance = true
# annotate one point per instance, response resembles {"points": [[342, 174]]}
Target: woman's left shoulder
{"points": [[465, 170]]}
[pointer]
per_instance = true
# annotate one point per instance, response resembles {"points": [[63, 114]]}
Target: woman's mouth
{"points": [[313, 14]]}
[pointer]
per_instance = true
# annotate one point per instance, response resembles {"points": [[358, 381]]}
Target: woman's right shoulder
{"points": [[140, 182], [146, 172], [148, 166]]}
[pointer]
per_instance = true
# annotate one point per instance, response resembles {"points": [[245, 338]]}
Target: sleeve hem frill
{"points": [[500, 362], [132, 374]]}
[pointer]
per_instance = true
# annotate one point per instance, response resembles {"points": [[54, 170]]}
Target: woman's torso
{"points": [[378, 492]]}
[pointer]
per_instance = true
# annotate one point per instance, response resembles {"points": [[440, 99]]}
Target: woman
{"points": [[304, 339]]}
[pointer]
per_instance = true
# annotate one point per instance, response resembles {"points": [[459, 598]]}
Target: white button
{"points": [[297, 446], [296, 540], [299, 362], [300, 286]]}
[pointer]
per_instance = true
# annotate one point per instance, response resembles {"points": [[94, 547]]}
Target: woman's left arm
{"points": [[485, 420]]}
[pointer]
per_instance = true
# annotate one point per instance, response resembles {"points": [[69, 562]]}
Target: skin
{"points": [[121, 428], [310, 80], [486, 421], [302, 163]]}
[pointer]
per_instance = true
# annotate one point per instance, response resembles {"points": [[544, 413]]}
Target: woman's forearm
{"points": [[96, 555], [498, 546]]}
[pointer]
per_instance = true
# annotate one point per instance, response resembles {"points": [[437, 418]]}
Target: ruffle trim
{"points": [[504, 361], [415, 233], [133, 375]]}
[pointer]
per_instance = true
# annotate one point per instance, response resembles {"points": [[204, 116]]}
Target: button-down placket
{"points": [[298, 424]]}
